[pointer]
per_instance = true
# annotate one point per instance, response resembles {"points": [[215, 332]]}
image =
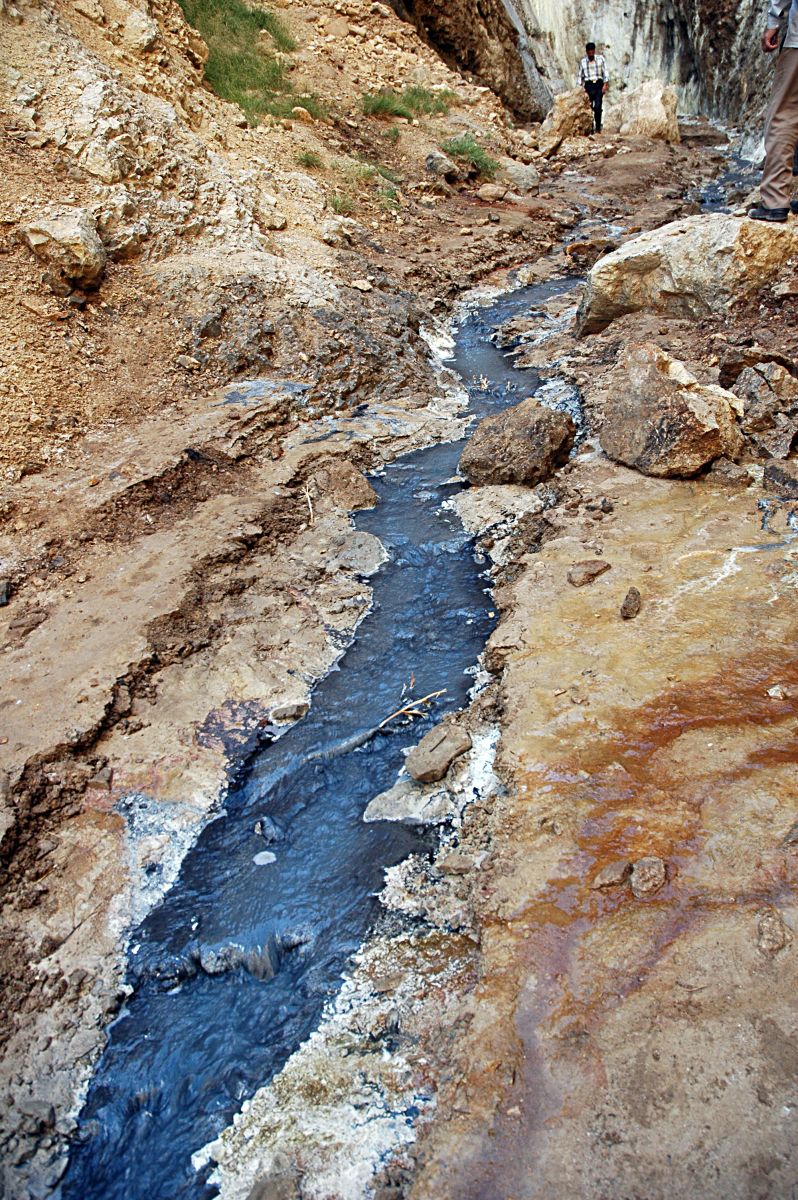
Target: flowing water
{"points": [[229, 974]]}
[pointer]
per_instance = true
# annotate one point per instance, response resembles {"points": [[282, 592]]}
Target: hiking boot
{"points": [[761, 213]]}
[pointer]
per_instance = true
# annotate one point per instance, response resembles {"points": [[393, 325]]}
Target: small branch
{"points": [[411, 709], [310, 502]]}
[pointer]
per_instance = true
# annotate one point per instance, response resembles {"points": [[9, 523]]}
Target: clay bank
{"points": [[397, 582]]}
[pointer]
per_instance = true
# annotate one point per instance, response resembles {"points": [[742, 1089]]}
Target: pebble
{"points": [[631, 604], [613, 875], [264, 858], [585, 572], [648, 876]]}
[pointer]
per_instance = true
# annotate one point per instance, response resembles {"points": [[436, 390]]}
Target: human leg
{"points": [[781, 133]]}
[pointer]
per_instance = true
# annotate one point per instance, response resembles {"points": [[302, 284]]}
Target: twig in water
{"points": [[412, 708]]}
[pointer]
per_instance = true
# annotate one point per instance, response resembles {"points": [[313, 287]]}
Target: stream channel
{"points": [[231, 971]]}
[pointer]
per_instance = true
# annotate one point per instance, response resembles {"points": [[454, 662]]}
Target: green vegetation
{"points": [[388, 198], [392, 134], [310, 160], [385, 104], [422, 100], [240, 69], [341, 203], [412, 102], [467, 149]]}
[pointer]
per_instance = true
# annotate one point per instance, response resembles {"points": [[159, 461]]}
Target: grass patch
{"points": [[393, 134], [385, 104], [412, 102], [238, 69], [466, 149], [422, 101], [388, 197], [310, 160], [341, 203]]}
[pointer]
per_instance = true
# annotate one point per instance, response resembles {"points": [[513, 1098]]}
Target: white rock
{"points": [[139, 32], [647, 111]]}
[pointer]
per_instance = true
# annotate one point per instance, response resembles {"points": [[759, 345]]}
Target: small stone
{"points": [[66, 240], [102, 780], [289, 712], [431, 758], [264, 858], [631, 604], [777, 692], [187, 362], [585, 572], [491, 192], [772, 933], [140, 32], [5, 592], [302, 114], [613, 875], [456, 864], [648, 876], [361, 285]]}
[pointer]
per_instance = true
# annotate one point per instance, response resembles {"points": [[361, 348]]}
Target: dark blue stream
{"points": [[232, 969]]}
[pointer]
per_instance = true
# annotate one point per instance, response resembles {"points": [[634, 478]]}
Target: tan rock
{"points": [[648, 876], [431, 758], [492, 192], [523, 444], [770, 407], [570, 116], [647, 111], [139, 33], [585, 572], [688, 268], [660, 420], [67, 240]]}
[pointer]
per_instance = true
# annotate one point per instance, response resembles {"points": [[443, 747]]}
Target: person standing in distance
{"points": [[594, 79], [781, 123]]}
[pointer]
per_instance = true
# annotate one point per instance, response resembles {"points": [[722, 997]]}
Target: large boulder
{"points": [[769, 395], [646, 111], [522, 445], [570, 116], [689, 268], [66, 239], [660, 420]]}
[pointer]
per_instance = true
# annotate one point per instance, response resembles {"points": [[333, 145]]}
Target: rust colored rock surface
{"points": [[524, 444]]}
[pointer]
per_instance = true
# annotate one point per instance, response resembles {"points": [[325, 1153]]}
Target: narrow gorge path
{"points": [[230, 972]]}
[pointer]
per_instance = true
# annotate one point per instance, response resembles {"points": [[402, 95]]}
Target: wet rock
{"points": [[646, 111], [289, 712], [648, 876], [781, 478], [431, 758], [66, 239], [688, 268], [772, 934], [613, 875], [582, 573], [414, 805], [570, 116], [660, 420], [631, 604], [521, 445], [5, 592], [769, 395]]}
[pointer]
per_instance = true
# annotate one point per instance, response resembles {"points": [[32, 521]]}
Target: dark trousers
{"points": [[595, 93]]}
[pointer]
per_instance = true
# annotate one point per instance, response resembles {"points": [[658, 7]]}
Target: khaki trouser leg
{"points": [[781, 133]]}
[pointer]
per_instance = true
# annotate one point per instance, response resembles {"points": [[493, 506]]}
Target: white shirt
{"points": [[776, 12], [597, 69]]}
